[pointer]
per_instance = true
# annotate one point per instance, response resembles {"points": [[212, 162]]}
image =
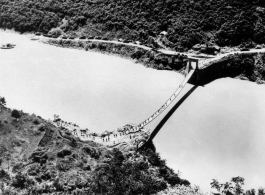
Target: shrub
{"points": [[34, 170], [154, 159], [42, 128], [138, 54], [93, 45], [36, 122], [4, 176], [22, 181], [15, 114], [17, 167], [73, 142], [86, 167], [143, 165], [63, 153], [173, 179], [2, 101], [64, 165], [261, 191], [39, 157], [120, 177], [92, 152], [46, 176]]}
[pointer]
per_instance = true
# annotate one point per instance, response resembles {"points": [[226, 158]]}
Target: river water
{"points": [[217, 132]]}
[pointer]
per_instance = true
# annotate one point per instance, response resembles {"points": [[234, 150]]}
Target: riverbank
{"points": [[238, 65], [149, 58]]}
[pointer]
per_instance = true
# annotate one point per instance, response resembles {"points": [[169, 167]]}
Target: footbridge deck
{"points": [[165, 105]]}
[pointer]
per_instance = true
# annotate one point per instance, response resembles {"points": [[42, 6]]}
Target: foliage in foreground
{"points": [[234, 187], [128, 174]]}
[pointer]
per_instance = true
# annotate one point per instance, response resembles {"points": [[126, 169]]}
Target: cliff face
{"points": [[38, 157]]}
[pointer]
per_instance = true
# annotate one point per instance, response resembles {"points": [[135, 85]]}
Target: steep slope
{"points": [[37, 157]]}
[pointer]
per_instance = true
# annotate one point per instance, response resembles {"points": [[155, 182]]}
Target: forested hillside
{"points": [[188, 22], [36, 157]]}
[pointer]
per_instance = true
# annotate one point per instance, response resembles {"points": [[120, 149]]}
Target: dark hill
{"points": [[188, 22]]}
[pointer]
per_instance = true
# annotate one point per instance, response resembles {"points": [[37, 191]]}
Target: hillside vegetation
{"points": [[188, 22], [37, 157]]}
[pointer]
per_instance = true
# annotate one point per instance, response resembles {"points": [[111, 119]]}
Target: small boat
{"points": [[47, 35], [34, 38], [8, 46]]}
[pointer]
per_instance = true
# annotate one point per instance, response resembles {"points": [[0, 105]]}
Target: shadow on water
{"points": [[243, 65], [211, 73], [165, 119]]}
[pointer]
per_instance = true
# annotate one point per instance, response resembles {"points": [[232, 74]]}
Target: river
{"points": [[217, 132]]}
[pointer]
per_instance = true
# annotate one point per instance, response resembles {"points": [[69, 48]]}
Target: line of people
{"points": [[73, 128]]}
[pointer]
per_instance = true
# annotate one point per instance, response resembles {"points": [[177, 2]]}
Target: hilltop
{"points": [[188, 23]]}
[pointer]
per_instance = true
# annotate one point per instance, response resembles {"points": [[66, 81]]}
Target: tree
{"points": [[22, 181], [15, 114], [2, 101], [215, 184], [238, 181], [261, 191], [120, 176], [228, 188], [251, 192]]}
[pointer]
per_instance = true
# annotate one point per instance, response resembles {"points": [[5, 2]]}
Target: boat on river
{"points": [[34, 38], [8, 46]]}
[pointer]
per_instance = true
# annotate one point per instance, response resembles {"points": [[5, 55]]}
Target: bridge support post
{"points": [[191, 64], [187, 68]]}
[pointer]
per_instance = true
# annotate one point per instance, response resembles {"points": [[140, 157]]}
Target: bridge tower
{"points": [[192, 64]]}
